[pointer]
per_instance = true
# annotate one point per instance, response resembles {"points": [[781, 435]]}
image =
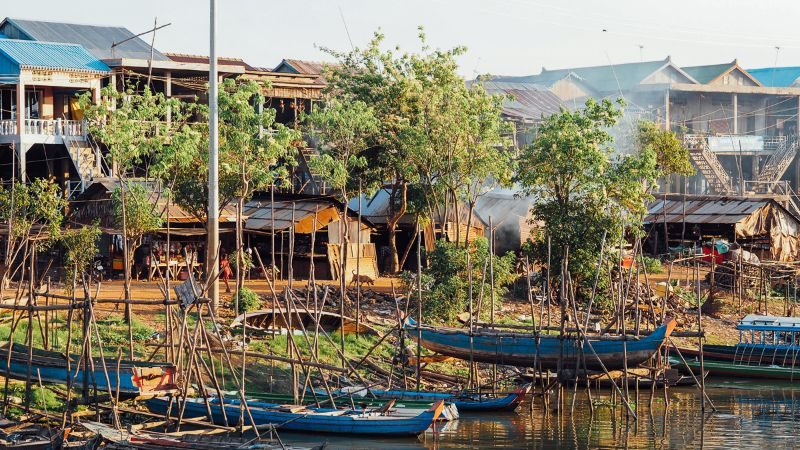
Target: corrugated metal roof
{"points": [[303, 67], [50, 55], [202, 59], [376, 209], [776, 76], [531, 102], [606, 78], [704, 209], [260, 213], [704, 74], [96, 39]]}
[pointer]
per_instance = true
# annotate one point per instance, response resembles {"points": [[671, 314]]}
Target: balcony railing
{"points": [[46, 127]]}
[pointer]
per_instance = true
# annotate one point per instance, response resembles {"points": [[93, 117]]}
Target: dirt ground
{"points": [[719, 325]]}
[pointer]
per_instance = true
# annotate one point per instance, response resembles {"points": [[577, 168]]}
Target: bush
{"points": [[446, 280], [653, 265], [247, 300]]}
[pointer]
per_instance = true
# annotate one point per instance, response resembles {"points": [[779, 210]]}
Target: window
{"points": [[33, 104]]}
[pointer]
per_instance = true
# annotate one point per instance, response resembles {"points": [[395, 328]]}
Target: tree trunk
{"points": [[394, 261]]}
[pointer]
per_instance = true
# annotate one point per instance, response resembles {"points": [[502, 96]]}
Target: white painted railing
{"points": [[57, 127], [8, 127]]}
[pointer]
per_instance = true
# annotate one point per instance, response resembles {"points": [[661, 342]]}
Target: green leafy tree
{"points": [[346, 130], [384, 81], [672, 157], [32, 213], [582, 190], [133, 127], [80, 248], [437, 136], [137, 214], [255, 152], [468, 147]]}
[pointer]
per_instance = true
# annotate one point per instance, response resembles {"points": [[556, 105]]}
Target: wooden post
{"points": [[22, 147], [419, 306]]}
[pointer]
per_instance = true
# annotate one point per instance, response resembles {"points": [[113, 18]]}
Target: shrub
{"points": [[653, 265], [247, 300], [446, 280]]}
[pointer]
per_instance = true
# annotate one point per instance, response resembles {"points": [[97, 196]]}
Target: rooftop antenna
{"points": [[115, 44], [641, 53], [775, 65], [347, 30]]}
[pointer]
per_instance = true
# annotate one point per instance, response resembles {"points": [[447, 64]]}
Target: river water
{"points": [[763, 416]]}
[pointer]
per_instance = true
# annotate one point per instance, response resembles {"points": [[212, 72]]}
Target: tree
{"points": [[384, 80], [32, 213], [136, 213], [134, 128], [467, 144], [672, 158], [582, 190], [345, 130], [80, 248], [255, 153], [436, 135]]}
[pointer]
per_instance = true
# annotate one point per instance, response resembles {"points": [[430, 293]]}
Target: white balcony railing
{"points": [[45, 127], [57, 127], [8, 127]]}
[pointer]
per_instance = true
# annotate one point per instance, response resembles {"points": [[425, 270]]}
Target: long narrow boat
{"points": [[524, 349], [464, 401], [144, 440], [265, 319], [763, 340], [735, 370], [136, 378], [306, 419], [402, 407]]}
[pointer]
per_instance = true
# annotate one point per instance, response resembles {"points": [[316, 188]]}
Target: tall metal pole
{"points": [[212, 260]]}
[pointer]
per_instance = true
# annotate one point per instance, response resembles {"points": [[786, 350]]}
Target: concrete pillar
{"points": [[735, 101], [761, 117], [667, 125], [797, 158], [168, 94], [21, 147]]}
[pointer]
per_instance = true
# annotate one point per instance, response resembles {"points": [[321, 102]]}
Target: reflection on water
{"points": [[762, 416]]}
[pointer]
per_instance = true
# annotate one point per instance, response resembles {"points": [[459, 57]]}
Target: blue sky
{"points": [[503, 36]]}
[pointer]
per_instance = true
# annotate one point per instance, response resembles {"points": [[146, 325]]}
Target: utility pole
{"points": [[212, 258]]}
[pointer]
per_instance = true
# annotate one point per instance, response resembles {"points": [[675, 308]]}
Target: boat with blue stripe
{"points": [[548, 352], [138, 379], [465, 401], [303, 418]]}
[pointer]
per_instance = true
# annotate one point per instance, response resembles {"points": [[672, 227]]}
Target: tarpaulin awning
{"points": [[750, 217], [304, 214]]}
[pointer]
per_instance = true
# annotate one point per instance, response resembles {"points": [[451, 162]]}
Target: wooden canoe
{"points": [[526, 350], [306, 419], [265, 319], [402, 407], [464, 401], [736, 370], [137, 378]]}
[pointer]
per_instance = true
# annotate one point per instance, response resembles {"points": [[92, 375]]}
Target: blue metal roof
{"points": [[50, 55], [776, 76], [96, 39]]}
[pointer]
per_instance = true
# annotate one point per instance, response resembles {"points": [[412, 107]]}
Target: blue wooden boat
{"points": [[306, 419], [763, 340], [464, 401], [526, 350], [136, 379]]}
